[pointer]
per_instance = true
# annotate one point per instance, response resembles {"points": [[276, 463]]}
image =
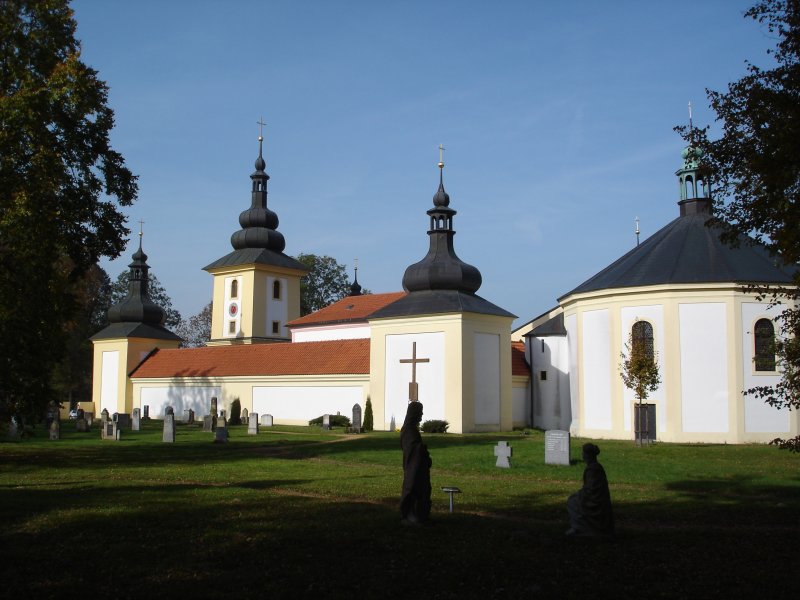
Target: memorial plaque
{"points": [[556, 447]]}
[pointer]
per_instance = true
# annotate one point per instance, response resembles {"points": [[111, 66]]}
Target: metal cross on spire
{"points": [[141, 228], [441, 156], [260, 124]]}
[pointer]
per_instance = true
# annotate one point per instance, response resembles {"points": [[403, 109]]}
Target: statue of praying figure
{"points": [[590, 508], [415, 502]]}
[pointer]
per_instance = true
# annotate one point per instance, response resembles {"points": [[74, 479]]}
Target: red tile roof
{"points": [[348, 309], [518, 365], [336, 357]]}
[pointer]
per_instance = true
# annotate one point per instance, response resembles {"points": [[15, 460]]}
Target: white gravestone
{"points": [[136, 420], [266, 420], [503, 453], [169, 429], [252, 426], [556, 447]]}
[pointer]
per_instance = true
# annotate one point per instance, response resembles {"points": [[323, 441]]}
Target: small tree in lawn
{"points": [[368, 424], [639, 371]]}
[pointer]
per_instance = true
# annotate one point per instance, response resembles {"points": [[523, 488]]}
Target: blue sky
{"points": [[556, 117]]}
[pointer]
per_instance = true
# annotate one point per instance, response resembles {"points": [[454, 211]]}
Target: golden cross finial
{"points": [[260, 124], [356, 261], [141, 228], [441, 156]]}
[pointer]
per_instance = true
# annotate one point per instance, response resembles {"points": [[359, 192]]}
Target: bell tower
{"points": [[257, 286]]}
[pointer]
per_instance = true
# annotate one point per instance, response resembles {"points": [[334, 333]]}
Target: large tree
{"points": [[325, 283], [755, 168], [156, 292], [196, 330], [61, 185]]}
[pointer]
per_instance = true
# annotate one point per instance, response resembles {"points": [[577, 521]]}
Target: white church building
{"points": [[439, 342]]}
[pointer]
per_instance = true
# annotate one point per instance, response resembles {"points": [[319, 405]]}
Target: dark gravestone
{"points": [[252, 427], [169, 428], [221, 432], [213, 410], [246, 417], [556, 447], [266, 420], [136, 420], [503, 453], [89, 416], [357, 417], [104, 415], [81, 425], [169, 411], [146, 414], [123, 420], [80, 414], [55, 430], [188, 416]]}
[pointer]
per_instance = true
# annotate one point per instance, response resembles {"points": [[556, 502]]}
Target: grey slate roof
{"points": [[431, 302], [134, 330], [551, 327], [259, 256], [686, 251]]}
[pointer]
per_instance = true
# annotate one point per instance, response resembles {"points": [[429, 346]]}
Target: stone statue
{"points": [[415, 502], [590, 508]]}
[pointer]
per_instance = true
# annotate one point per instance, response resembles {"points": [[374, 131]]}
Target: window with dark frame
{"points": [[276, 326], [276, 289], [764, 341], [234, 289], [232, 327], [642, 333]]}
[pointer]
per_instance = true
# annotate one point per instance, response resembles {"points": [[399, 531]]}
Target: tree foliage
{"points": [[61, 184], [196, 330], [639, 370], [368, 424], [325, 283], [156, 291], [755, 169]]}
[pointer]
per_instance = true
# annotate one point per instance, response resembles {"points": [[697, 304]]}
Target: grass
{"points": [[301, 513]]}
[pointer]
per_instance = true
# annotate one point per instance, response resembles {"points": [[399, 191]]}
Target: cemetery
{"points": [[292, 511]]}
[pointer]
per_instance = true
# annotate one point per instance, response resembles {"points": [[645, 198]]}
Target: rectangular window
{"points": [[232, 327], [276, 289], [276, 325], [542, 375]]}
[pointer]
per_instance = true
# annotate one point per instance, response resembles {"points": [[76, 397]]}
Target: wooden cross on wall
{"points": [[413, 386]]}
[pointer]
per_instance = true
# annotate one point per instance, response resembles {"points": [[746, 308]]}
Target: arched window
{"points": [[276, 289], [234, 289], [642, 333], [764, 340]]}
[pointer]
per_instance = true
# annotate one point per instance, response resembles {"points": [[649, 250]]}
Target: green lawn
{"points": [[297, 513]]}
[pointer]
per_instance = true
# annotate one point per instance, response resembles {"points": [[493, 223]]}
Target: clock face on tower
{"points": [[233, 309]]}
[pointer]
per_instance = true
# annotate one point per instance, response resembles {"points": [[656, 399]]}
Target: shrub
{"points": [[336, 421], [435, 426], [236, 413], [368, 425]]}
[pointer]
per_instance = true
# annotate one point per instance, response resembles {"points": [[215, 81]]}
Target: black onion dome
{"points": [[258, 222], [441, 269], [137, 306]]}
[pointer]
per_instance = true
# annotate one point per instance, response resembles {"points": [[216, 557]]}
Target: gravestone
{"points": [[326, 421], [252, 427], [392, 424], [80, 414], [123, 420], [136, 420], [169, 411], [146, 414], [213, 410], [266, 420], [503, 453], [169, 428], [223, 415], [209, 423], [104, 415], [221, 432], [81, 425], [357, 417], [108, 430], [556, 447], [117, 433], [89, 416], [55, 430], [246, 417], [188, 416]]}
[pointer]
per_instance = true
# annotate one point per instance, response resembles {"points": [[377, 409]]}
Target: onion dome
{"points": [[441, 269], [137, 306], [258, 222], [355, 288]]}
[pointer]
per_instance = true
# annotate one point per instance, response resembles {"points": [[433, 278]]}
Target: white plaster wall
{"points": [[571, 325], [430, 376], [520, 401], [551, 396], [654, 314], [277, 309], [597, 368], [331, 332], [109, 382], [180, 398], [704, 367], [306, 402], [486, 378], [759, 417]]}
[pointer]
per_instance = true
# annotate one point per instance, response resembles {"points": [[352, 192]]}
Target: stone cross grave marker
{"points": [[55, 430], [413, 386], [252, 426], [246, 417], [556, 447], [266, 420], [503, 453], [169, 428], [357, 417], [136, 421]]}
